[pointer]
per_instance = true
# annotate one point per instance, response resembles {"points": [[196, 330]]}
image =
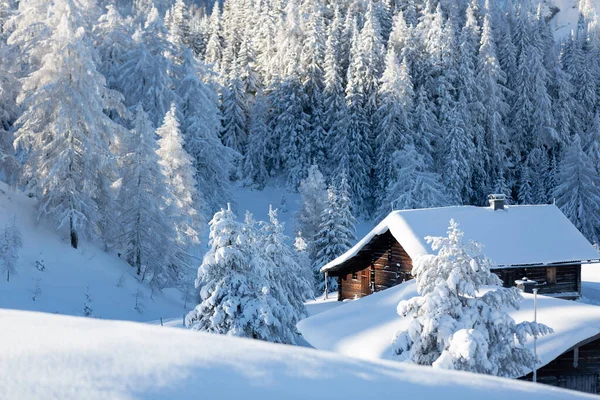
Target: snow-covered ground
{"points": [[48, 357], [566, 19], [364, 328], [62, 286]]}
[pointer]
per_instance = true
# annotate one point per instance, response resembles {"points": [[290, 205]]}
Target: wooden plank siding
{"points": [[386, 256], [567, 278], [577, 369]]}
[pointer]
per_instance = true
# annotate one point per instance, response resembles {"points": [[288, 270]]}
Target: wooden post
{"points": [[326, 284], [161, 324], [535, 335]]}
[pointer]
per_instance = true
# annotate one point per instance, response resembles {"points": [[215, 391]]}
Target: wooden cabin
{"points": [[537, 242], [578, 368]]}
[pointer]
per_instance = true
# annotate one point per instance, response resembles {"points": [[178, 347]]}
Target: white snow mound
{"points": [[48, 357], [364, 328]]}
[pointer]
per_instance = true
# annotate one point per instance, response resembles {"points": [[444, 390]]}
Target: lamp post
{"points": [[535, 335]]}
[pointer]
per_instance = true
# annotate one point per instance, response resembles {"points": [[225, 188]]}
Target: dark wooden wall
{"points": [[562, 371], [386, 256], [393, 266], [568, 279]]}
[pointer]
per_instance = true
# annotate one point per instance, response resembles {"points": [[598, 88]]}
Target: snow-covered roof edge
{"points": [[402, 231]]}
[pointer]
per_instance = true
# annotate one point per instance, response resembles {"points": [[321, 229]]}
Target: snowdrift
{"points": [[364, 328], [44, 356]]}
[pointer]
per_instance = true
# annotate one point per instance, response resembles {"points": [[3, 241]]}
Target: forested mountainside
{"points": [[129, 121]]}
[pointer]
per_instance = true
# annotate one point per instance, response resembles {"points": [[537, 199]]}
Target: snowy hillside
{"points": [[566, 18], [364, 328], [62, 286], [76, 358]]}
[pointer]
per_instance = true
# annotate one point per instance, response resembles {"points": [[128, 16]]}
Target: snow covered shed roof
{"points": [[516, 235], [364, 328]]}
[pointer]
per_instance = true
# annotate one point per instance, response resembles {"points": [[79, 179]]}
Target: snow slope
{"points": [[69, 272], [47, 357], [566, 19], [364, 328]]}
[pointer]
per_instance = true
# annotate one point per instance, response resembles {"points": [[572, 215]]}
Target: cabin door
{"points": [[364, 283]]}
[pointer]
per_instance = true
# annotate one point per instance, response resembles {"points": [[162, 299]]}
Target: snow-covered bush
{"points": [[456, 322]]}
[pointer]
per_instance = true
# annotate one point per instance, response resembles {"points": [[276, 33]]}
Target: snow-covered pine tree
{"points": [[254, 169], [578, 190], [412, 185], [457, 154], [233, 282], [291, 125], [235, 112], [10, 245], [145, 233], [113, 37], [336, 232], [182, 197], [287, 281], [313, 194], [68, 164], [144, 77], [312, 79], [212, 161], [454, 325], [395, 101], [214, 46], [303, 260], [491, 80]]}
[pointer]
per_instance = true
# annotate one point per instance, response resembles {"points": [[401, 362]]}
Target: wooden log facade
{"points": [[562, 281], [577, 368], [384, 263], [381, 264]]}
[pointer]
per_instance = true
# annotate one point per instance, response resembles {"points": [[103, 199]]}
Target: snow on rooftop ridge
{"points": [[521, 235], [110, 360], [364, 328]]}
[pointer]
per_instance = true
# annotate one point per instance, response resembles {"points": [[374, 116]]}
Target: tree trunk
{"points": [[138, 261], [74, 239]]}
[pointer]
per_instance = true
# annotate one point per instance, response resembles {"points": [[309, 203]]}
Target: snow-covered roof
{"points": [[86, 358], [364, 328], [516, 235]]}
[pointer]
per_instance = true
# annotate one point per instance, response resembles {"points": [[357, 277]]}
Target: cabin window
{"points": [[355, 276], [372, 279], [551, 275]]}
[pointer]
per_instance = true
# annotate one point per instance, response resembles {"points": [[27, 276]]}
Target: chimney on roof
{"points": [[497, 201]]}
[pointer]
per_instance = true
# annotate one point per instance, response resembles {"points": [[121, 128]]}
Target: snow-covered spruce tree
{"points": [[313, 193], [235, 112], [456, 325], [336, 233], [395, 102], [113, 37], [253, 168], [68, 165], [578, 190], [146, 235], [10, 245], [177, 167], [234, 287], [413, 185], [286, 279], [291, 126], [200, 126], [303, 260], [144, 77]]}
